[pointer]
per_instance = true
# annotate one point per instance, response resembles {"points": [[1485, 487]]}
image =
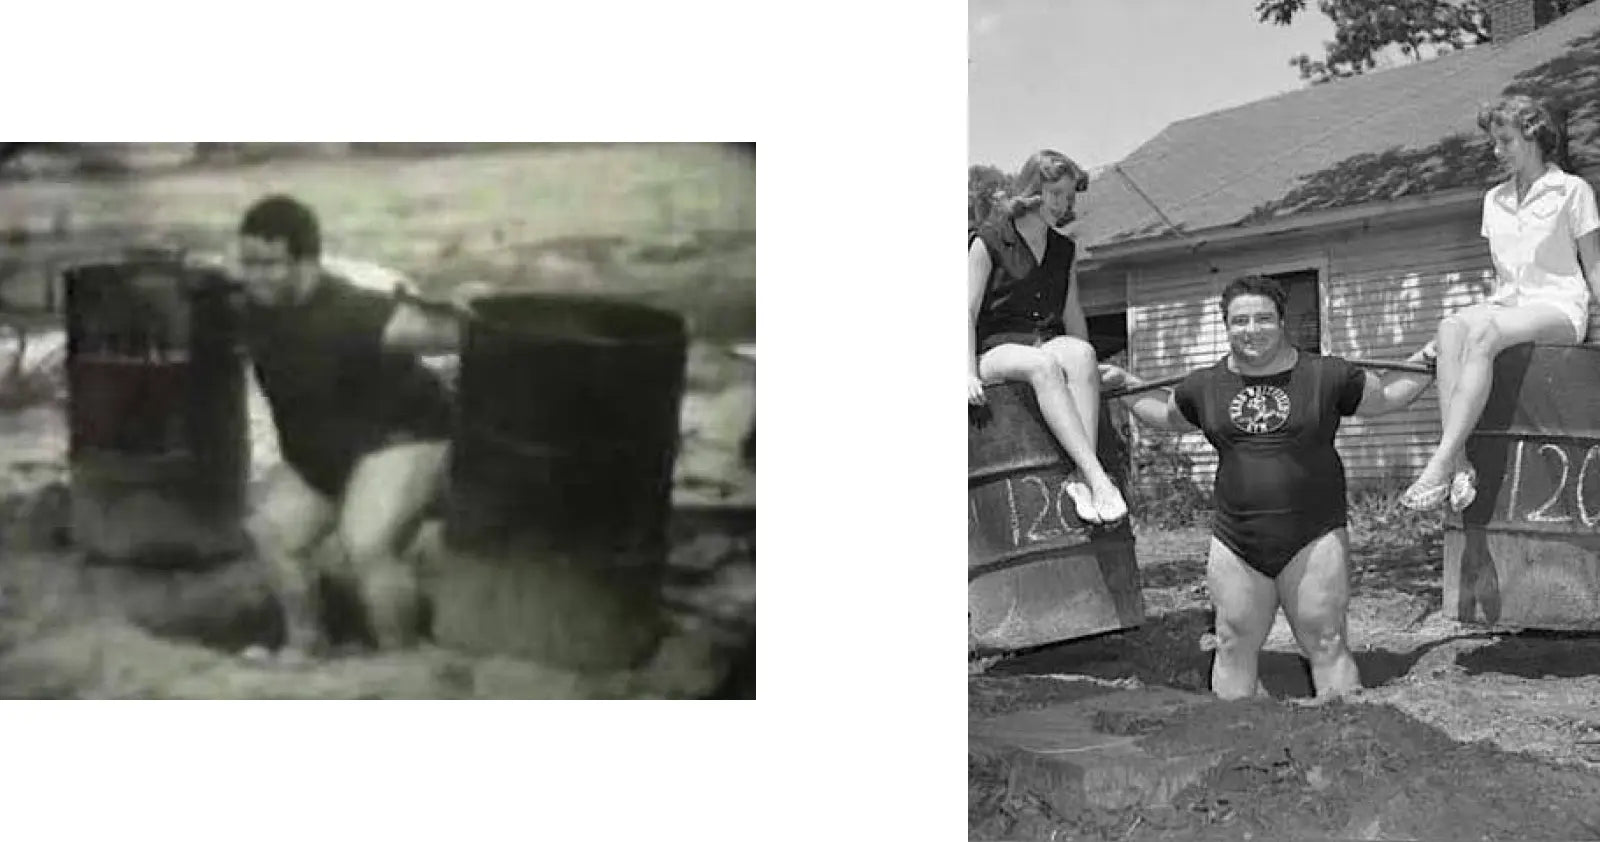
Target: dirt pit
{"points": [[70, 629], [73, 629], [1460, 732]]}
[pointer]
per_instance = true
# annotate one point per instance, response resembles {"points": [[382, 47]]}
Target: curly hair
{"points": [[284, 218], [1256, 285], [1046, 166], [1530, 118]]}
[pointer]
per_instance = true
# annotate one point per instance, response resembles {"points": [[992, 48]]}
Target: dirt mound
{"points": [[1276, 771]]}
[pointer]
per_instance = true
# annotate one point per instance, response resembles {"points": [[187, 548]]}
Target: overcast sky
{"points": [[1094, 79]]}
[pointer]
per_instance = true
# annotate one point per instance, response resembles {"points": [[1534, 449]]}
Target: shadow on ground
{"points": [[1166, 651], [1537, 654]]}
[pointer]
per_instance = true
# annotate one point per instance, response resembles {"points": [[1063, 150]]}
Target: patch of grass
{"points": [[1379, 524], [1161, 488]]}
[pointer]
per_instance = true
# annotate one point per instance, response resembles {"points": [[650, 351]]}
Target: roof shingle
{"points": [[1402, 132]]}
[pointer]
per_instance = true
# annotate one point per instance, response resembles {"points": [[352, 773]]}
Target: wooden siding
{"points": [[1102, 292], [1387, 292], [1175, 323], [1384, 291]]}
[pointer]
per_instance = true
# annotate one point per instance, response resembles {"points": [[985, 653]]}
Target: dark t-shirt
{"points": [[1274, 434], [335, 392], [1022, 295]]}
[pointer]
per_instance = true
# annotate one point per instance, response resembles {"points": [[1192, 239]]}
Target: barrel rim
{"points": [[663, 327]]}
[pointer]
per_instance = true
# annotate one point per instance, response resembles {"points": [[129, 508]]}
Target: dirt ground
{"points": [[72, 629], [1460, 732]]}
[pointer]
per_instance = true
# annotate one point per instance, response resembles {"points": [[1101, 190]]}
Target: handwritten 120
{"points": [[1036, 509], [1542, 513]]}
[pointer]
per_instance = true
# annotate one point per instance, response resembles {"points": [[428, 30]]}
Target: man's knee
{"points": [[1321, 637], [290, 518], [1241, 632]]}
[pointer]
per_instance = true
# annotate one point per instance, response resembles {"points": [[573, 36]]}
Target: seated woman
{"points": [[1026, 324], [1544, 237]]}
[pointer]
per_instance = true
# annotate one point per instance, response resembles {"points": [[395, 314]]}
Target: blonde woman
{"points": [[1025, 323], [1544, 236]]}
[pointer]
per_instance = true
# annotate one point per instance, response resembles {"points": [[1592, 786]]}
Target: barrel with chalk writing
{"points": [[1036, 574], [1526, 553]]}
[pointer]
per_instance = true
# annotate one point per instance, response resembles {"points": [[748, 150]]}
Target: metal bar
{"points": [[1415, 368], [1162, 383], [1148, 386]]}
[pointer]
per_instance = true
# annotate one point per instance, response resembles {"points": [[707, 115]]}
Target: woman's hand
{"points": [[1428, 355], [1113, 377], [975, 396]]}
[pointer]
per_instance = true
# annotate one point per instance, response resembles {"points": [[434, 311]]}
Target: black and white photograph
{"points": [[1283, 423], [377, 420]]}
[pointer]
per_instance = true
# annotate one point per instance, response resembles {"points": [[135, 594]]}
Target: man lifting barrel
{"points": [[362, 425], [1279, 532]]}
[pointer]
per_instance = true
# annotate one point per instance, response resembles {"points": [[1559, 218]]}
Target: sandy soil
{"points": [[70, 629]]}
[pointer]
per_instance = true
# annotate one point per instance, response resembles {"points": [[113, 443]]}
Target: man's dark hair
{"points": [[1256, 285], [286, 219]]}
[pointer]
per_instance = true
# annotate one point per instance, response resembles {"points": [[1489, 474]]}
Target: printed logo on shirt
{"points": [[1259, 408]]}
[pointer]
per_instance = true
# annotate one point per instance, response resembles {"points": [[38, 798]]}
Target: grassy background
{"points": [[672, 224]]}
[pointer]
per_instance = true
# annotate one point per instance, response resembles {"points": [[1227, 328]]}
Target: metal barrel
{"points": [[159, 445], [561, 480], [1526, 553], [1036, 573]]}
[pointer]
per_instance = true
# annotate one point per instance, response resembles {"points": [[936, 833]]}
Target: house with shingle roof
{"points": [[1363, 196]]}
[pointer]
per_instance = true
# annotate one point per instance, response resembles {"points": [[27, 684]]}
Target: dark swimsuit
{"points": [[1023, 298], [335, 392], [1280, 483]]}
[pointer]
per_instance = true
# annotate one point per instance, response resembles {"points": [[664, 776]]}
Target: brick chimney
{"points": [[1510, 19]]}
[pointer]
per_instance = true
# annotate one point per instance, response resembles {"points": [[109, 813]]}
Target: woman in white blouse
{"points": [[1544, 236]]}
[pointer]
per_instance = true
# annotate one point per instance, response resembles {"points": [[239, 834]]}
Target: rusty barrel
{"points": [[560, 495], [1036, 573], [159, 445], [1526, 553]]}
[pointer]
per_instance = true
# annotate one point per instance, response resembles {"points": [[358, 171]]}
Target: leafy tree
{"points": [[1367, 31], [983, 182]]}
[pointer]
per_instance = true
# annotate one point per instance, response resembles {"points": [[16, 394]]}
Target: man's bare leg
{"points": [[388, 493], [1315, 592], [290, 521], [1246, 602]]}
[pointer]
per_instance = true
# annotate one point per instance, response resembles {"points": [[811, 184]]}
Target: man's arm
{"points": [[1157, 408], [429, 330], [1395, 390], [418, 331]]}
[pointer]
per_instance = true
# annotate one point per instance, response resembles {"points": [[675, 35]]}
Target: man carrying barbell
{"points": [[1279, 532], [362, 425]]}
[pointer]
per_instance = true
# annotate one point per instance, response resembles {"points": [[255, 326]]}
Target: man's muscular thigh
{"points": [[289, 517], [390, 492]]}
